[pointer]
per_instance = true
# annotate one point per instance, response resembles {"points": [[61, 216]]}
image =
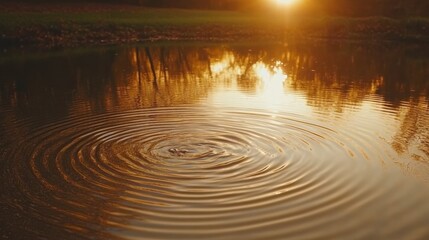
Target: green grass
{"points": [[137, 18]]}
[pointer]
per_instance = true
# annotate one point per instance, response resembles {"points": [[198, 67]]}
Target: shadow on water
{"points": [[182, 141]]}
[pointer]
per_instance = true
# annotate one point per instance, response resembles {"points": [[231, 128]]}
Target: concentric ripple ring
{"points": [[191, 173]]}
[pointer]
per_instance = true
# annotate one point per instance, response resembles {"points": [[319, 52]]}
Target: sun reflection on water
{"points": [[144, 137], [271, 82], [263, 85], [225, 65]]}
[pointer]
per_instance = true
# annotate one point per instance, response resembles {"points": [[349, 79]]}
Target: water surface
{"points": [[220, 141]]}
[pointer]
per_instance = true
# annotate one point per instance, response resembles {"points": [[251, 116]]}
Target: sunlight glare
{"points": [[285, 2], [225, 66], [272, 79]]}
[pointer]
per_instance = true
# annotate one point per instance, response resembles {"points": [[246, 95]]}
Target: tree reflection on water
{"points": [[107, 143], [325, 79]]}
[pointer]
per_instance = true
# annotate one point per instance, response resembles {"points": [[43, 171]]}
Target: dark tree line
{"points": [[390, 8], [206, 4]]}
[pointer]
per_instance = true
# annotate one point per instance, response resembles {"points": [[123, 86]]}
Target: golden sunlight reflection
{"points": [[225, 65], [271, 82], [129, 139], [263, 85]]}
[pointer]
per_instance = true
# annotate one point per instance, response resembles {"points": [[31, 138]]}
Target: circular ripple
{"points": [[190, 172]]}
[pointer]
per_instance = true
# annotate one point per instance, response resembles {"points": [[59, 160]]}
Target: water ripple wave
{"points": [[192, 173]]}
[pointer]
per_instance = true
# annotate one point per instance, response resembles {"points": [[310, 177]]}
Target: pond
{"points": [[310, 140]]}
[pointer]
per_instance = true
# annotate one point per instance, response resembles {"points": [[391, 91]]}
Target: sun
{"points": [[285, 2]]}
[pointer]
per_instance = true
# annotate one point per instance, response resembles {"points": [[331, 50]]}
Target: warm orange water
{"points": [[298, 141]]}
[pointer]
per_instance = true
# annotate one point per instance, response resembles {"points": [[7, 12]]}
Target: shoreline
{"points": [[23, 25]]}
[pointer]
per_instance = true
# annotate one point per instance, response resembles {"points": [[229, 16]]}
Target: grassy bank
{"points": [[75, 25]]}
